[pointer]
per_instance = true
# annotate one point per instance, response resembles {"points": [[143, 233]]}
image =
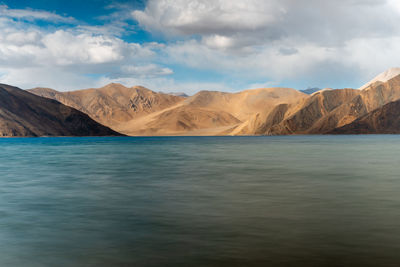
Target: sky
{"points": [[192, 45]]}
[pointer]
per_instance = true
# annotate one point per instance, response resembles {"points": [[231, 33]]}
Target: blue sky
{"points": [[192, 45]]}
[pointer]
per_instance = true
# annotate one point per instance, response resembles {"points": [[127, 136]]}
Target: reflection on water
{"points": [[212, 201]]}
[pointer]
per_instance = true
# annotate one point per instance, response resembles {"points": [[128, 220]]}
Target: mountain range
{"points": [[138, 111]]}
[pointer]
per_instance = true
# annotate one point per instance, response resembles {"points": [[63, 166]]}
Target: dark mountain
{"points": [[177, 94], [25, 114], [384, 120]]}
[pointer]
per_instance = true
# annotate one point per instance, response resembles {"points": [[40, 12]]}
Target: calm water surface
{"points": [[209, 201]]}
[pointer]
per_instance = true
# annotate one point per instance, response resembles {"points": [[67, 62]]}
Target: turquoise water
{"points": [[200, 201]]}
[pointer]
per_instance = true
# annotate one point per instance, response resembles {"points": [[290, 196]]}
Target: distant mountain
{"points": [[210, 112], [139, 111], [266, 111], [383, 120], [310, 91], [178, 94], [383, 77], [25, 114]]}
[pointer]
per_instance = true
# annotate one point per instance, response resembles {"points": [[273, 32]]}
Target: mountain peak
{"points": [[114, 85], [383, 77]]}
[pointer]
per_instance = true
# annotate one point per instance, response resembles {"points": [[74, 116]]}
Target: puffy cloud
{"points": [[265, 61], [63, 48], [207, 16], [297, 43], [69, 59], [67, 48], [219, 22], [260, 21], [218, 41], [280, 40]]}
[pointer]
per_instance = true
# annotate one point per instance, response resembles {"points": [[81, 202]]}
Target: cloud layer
{"points": [[280, 39], [67, 58], [296, 43], [31, 15]]}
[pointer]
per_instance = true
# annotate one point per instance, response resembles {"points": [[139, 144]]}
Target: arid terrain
{"points": [[138, 111]]}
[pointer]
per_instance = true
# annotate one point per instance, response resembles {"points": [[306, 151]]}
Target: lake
{"points": [[200, 201]]}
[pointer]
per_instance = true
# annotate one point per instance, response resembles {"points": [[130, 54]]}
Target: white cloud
{"points": [[220, 23], [144, 71], [260, 21], [207, 16], [279, 40], [301, 42], [67, 48], [63, 48], [394, 4], [31, 56], [265, 61], [30, 14], [218, 41]]}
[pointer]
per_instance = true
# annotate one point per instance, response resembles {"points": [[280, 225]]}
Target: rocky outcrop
{"points": [[384, 120]]}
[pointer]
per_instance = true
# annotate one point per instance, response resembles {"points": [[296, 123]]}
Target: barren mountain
{"points": [[326, 110], [384, 120], [244, 104], [299, 117], [211, 113], [139, 111], [180, 120], [113, 104], [25, 114], [267, 111]]}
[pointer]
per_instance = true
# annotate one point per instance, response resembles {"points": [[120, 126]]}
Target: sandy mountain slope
{"points": [[180, 120], [244, 104], [298, 117], [113, 104], [369, 99], [384, 120], [25, 114], [211, 113], [326, 110], [139, 111], [383, 77]]}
